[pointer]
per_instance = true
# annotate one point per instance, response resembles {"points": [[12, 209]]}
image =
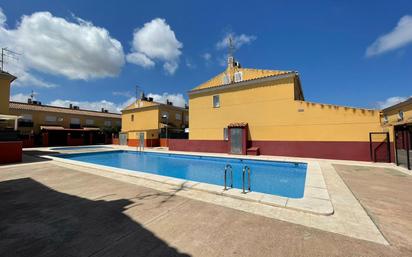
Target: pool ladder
{"points": [[140, 148], [245, 169], [228, 167]]}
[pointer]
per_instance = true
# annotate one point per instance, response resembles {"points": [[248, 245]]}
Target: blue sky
{"points": [[94, 52]]}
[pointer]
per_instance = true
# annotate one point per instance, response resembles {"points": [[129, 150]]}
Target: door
{"points": [[123, 138], [403, 145], [236, 141], [141, 139]]}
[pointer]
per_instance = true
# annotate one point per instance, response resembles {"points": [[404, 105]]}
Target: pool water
{"points": [[279, 178]]}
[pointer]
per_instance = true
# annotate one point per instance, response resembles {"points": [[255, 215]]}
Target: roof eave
{"points": [[244, 83]]}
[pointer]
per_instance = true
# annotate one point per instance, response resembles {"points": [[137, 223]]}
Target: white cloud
{"points": [[122, 93], [94, 105], [391, 101], [53, 45], [207, 56], [176, 99], [140, 59], [190, 64], [3, 17], [156, 41], [400, 36], [20, 97], [237, 40]]}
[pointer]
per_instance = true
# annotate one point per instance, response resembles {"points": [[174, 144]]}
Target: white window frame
{"points": [[50, 118], [75, 121], [27, 117], [89, 122], [226, 134], [216, 104]]}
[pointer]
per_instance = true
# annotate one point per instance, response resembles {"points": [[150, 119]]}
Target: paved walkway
{"points": [[49, 210], [386, 194]]}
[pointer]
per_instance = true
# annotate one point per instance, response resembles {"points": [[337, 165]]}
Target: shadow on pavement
{"points": [[38, 221]]}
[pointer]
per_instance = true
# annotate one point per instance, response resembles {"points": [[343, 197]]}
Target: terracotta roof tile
{"points": [[48, 108]]}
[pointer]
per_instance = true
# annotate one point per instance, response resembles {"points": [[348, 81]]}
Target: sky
{"points": [[94, 53]]}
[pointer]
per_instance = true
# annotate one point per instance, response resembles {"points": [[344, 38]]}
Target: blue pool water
{"points": [[278, 178]]}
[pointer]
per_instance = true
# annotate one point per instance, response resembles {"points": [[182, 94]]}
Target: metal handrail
{"points": [[231, 176], [245, 168]]}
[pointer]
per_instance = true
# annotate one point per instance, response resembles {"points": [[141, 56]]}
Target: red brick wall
{"points": [[10, 151], [212, 146], [147, 142], [358, 151]]}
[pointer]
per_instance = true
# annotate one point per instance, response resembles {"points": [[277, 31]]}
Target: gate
{"points": [[380, 147], [403, 145], [122, 138]]}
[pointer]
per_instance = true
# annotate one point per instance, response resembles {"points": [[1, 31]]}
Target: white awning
{"points": [[9, 117]]}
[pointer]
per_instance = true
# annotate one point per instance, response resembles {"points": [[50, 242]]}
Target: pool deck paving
{"points": [[50, 208]]}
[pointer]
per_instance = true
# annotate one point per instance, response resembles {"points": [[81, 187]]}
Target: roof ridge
{"points": [[61, 107]]}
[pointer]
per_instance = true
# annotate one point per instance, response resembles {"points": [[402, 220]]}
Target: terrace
{"points": [[129, 214]]}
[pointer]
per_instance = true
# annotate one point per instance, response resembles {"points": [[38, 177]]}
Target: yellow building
{"points": [[265, 110], [51, 125], [144, 121], [397, 120], [5, 81], [10, 144]]}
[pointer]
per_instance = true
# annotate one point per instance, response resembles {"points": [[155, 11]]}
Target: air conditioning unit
{"points": [[238, 76], [226, 79]]}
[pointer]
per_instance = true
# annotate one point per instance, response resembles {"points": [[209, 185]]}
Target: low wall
{"points": [[211, 146], [147, 142], [75, 141], [358, 151], [10, 151], [115, 141]]}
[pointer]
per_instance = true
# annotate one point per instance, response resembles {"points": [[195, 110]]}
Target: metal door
{"points": [[123, 138], [236, 141], [141, 140]]}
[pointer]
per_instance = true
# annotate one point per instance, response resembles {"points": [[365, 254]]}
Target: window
{"points": [[165, 115], [225, 134], [50, 118], [178, 116], [26, 117], [89, 122], [216, 101], [400, 116], [132, 117], [107, 123], [26, 121], [186, 118], [75, 121], [118, 123], [385, 118]]}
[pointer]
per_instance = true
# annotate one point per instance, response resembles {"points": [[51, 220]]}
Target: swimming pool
{"points": [[279, 178]]}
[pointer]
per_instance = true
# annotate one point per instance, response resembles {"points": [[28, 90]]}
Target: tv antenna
{"points": [[6, 53], [32, 95], [231, 47]]}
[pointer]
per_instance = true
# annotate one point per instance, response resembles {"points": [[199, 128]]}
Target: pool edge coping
{"points": [[311, 202]]}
